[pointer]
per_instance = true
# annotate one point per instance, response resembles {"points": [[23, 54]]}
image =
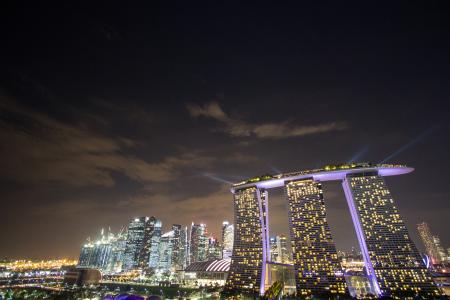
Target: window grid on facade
{"points": [[314, 253]]}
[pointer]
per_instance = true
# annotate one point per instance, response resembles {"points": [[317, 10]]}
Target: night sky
{"points": [[108, 112]]}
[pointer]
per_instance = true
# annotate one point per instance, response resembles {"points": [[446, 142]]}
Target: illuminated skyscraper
{"points": [[214, 249], [247, 269], [153, 257], [317, 268], [118, 244], [198, 245], [86, 255], [97, 254], [393, 264], [440, 250], [227, 239], [138, 249], [279, 249], [274, 252], [428, 242], [284, 249], [179, 247], [166, 244]]}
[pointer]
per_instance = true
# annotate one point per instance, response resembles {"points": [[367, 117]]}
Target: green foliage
{"points": [[274, 290]]}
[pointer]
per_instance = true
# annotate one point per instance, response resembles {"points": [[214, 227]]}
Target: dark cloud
{"points": [[52, 151], [239, 128]]}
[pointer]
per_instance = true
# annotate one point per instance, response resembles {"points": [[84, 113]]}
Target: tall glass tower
{"points": [[155, 239], [198, 246], [431, 243], [140, 242], [316, 264], [179, 247], [227, 239]]}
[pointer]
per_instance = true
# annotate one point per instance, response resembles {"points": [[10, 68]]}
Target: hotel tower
{"points": [[392, 263]]}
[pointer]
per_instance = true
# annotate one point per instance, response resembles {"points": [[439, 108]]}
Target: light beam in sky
{"points": [[416, 140]]}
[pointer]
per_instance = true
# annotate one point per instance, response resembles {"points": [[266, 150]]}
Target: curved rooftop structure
{"points": [[327, 173], [216, 265]]}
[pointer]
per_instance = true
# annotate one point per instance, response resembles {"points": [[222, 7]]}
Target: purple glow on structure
{"points": [[362, 242], [264, 232], [328, 176]]}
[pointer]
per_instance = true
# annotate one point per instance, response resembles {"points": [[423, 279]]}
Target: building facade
{"points": [[166, 252], [279, 251], [214, 249], [250, 245], [227, 239], [393, 264], [86, 255], [179, 247], [118, 245], [428, 241], [97, 254], [198, 244], [142, 241], [316, 264], [155, 238]]}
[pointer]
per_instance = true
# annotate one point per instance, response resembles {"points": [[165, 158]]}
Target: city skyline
{"points": [[112, 113]]}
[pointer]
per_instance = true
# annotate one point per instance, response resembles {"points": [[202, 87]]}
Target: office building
{"points": [[140, 242], [198, 245], [118, 245], [227, 239], [432, 244], [279, 251], [97, 254], [153, 257], [214, 249], [86, 255], [166, 252], [179, 251]]}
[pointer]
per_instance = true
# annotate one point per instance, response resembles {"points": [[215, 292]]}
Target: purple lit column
{"points": [[264, 219], [361, 238]]}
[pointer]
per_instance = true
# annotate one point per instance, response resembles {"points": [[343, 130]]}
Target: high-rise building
{"points": [[315, 258], [179, 251], [153, 259], [428, 241], [166, 251], [393, 264], [284, 250], [118, 245], [440, 250], [198, 245], [247, 269], [101, 254], [86, 255], [279, 251], [274, 252], [227, 239], [139, 246], [97, 254], [214, 249]]}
